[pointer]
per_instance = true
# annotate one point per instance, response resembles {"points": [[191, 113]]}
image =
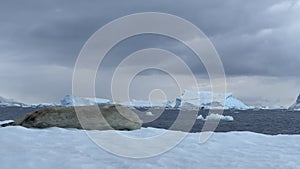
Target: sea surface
{"points": [[270, 122]]}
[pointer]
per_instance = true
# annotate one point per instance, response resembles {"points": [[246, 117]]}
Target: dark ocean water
{"points": [[263, 121], [13, 113]]}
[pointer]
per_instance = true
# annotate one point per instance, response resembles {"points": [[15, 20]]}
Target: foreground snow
{"points": [[57, 148]]}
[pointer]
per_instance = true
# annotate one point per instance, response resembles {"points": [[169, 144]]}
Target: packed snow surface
{"points": [[22, 148], [196, 98]]}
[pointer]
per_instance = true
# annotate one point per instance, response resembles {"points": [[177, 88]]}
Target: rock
{"points": [[298, 99], [86, 117], [7, 124]]}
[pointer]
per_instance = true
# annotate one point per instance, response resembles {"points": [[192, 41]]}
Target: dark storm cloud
{"points": [[52, 32], [252, 37]]}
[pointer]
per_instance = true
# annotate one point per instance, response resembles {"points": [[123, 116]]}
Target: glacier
{"points": [[195, 99]]}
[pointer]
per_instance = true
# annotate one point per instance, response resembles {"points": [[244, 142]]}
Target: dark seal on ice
{"points": [[111, 117]]}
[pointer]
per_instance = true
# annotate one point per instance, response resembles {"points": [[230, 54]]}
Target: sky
{"points": [[257, 41]]}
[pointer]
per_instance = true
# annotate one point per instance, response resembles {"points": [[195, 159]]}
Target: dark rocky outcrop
{"points": [[7, 124], [298, 99], [84, 117], [296, 106]]}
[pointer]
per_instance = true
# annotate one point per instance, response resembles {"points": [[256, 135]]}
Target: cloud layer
{"points": [[40, 41]]}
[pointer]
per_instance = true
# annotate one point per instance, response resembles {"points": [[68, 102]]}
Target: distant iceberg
{"points": [[213, 117], [148, 104], [195, 99], [42, 105], [70, 100], [190, 99]]}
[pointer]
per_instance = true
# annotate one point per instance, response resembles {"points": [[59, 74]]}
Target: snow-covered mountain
{"points": [[10, 103], [295, 106], [70, 100], [193, 98]]}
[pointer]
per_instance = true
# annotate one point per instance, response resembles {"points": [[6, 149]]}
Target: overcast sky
{"points": [[258, 43]]}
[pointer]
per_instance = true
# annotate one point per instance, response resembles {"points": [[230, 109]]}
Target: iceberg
{"points": [[190, 99], [214, 117], [195, 99], [42, 105], [148, 104], [200, 117], [70, 100], [149, 113]]}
